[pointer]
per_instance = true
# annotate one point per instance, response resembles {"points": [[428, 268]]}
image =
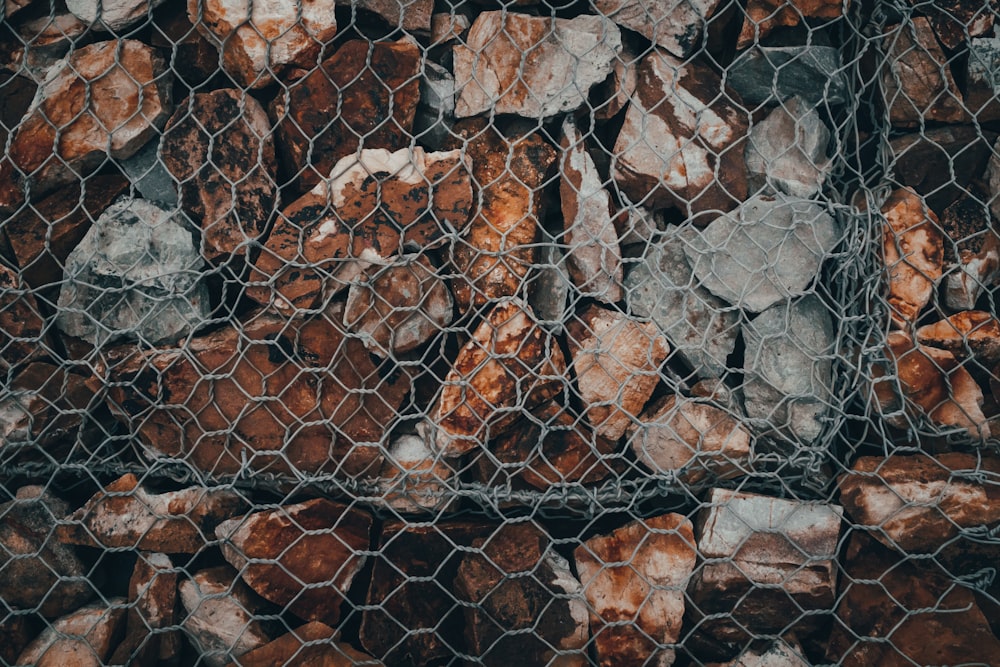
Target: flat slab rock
{"points": [[974, 333], [84, 638], [675, 26]]}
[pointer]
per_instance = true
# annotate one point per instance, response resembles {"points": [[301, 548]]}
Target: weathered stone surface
{"points": [[765, 75], [409, 15], [195, 59], [637, 224], [412, 588], [128, 515], [533, 66], [260, 40], [136, 274], [517, 582], [780, 558], [786, 151], [692, 438], [981, 83], [616, 361], [594, 258], [675, 26], [414, 478], [84, 638], [768, 250], [701, 327], [46, 39], [549, 290], [72, 125], [113, 15], [784, 652], [788, 367], [363, 96], [619, 89], [399, 307], [637, 573], [971, 332], [16, 632], [149, 176], [683, 139], [152, 590], [447, 27], [37, 572], [763, 16], [219, 147], [279, 552], [214, 402], [952, 20], [509, 366], [972, 274], [436, 113], [372, 206], [913, 252], [22, 327], [311, 645]]}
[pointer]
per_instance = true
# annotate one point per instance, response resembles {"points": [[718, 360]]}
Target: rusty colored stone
{"points": [[84, 638], [290, 649], [411, 15], [972, 332], [152, 594], [22, 327], [763, 16], [674, 26], [952, 20], [913, 253], [42, 408]]}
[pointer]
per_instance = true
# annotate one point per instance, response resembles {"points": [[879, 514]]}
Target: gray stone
{"points": [[136, 274], [768, 249], [787, 150], [676, 26], [548, 292], [113, 15], [762, 75], [436, 112], [788, 368], [982, 79], [150, 177]]}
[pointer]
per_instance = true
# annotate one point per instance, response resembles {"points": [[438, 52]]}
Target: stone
{"points": [[764, 16], [784, 652], [112, 15], [993, 172], [616, 361], [787, 151], [84, 638], [682, 142], [68, 131], [414, 478], [399, 307], [280, 552], [788, 368], [411, 618], [918, 85], [152, 590], [214, 402], [219, 148], [594, 258], [509, 366], [194, 59], [514, 581], [372, 207], [969, 333], [22, 326], [408, 15], [772, 74], [965, 282], [129, 515], [135, 275], [11, 7], [46, 40], [768, 250], [260, 41], [777, 561], [953, 20], [312, 644], [363, 96], [913, 253], [16, 632], [674, 26], [436, 113], [701, 327], [220, 615], [16, 95], [638, 573], [637, 224], [919, 503], [971, 251], [619, 89], [37, 572], [447, 27], [550, 284], [149, 176], [691, 438], [982, 84], [532, 66]]}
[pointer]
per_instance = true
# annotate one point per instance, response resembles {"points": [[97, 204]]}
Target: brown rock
{"points": [[213, 402], [411, 16], [447, 27], [364, 95], [635, 574], [46, 39], [16, 632], [913, 253], [763, 16], [509, 366], [310, 645], [973, 273], [152, 591], [294, 555], [683, 140], [411, 590], [970, 332], [128, 515], [21, 323], [952, 20], [414, 478], [616, 361], [219, 147], [84, 638], [195, 59], [372, 206]]}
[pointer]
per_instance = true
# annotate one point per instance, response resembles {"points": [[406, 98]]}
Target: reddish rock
{"points": [[970, 332], [638, 573], [152, 592], [16, 632], [21, 323], [46, 39], [675, 26], [619, 88], [278, 552], [414, 478], [195, 59], [913, 253], [447, 27], [363, 96], [311, 645], [952, 20], [84, 638], [763, 16], [219, 147]]}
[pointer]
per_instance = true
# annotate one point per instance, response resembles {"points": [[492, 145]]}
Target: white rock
{"points": [[676, 25], [113, 15], [415, 479], [81, 639]]}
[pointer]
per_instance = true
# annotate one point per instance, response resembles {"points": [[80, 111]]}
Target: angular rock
{"points": [[913, 252], [149, 176], [68, 132], [784, 652], [436, 114], [279, 552], [408, 15], [683, 139], [778, 561], [973, 274], [971, 332], [701, 327], [953, 20], [153, 592], [768, 250], [194, 59], [219, 148], [46, 40], [371, 208], [675, 26], [971, 250], [616, 361], [129, 515], [259, 41], [363, 96], [310, 644], [414, 478], [982, 84], [788, 368], [84, 638], [766, 75], [113, 15], [22, 326], [637, 224], [447, 27], [635, 574], [619, 89], [533, 66], [548, 292], [515, 581], [787, 150], [509, 366], [763, 16]]}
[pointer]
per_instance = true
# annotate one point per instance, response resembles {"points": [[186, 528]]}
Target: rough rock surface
{"points": [[22, 326], [786, 151], [16, 632], [310, 645], [410, 15], [152, 590], [913, 253], [113, 15], [970, 332], [675, 26], [84, 638], [784, 652], [982, 86], [436, 113], [769, 74], [148, 175], [763, 16], [972, 258], [414, 478], [46, 39]]}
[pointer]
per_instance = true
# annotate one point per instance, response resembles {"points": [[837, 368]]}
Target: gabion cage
{"points": [[429, 333]]}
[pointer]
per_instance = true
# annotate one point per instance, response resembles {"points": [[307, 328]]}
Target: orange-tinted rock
{"points": [[311, 645], [152, 594], [913, 253], [84, 638], [278, 552], [21, 323], [763, 16], [972, 256], [970, 332], [447, 27], [953, 20], [363, 96], [638, 573]]}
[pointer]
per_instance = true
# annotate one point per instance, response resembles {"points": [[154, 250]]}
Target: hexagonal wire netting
{"points": [[424, 333]]}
